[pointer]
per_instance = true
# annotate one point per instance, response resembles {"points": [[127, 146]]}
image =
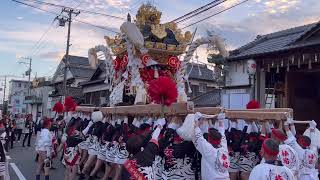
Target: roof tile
{"points": [[273, 42]]}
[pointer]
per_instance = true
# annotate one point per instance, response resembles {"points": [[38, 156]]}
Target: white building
{"points": [[39, 101], [18, 90], [237, 91]]}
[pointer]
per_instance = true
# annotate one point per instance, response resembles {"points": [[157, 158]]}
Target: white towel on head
{"points": [[187, 128], [315, 138], [240, 124], [97, 116]]}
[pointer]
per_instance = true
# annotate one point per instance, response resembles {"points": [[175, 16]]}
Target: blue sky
{"points": [[21, 27]]}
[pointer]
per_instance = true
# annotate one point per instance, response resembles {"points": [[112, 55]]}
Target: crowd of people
{"points": [[17, 128], [196, 146]]}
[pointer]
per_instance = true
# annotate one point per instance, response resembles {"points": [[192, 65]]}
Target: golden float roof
{"points": [[148, 15]]}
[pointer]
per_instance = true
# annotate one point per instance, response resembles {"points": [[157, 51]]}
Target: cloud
{"points": [[263, 17], [238, 26], [24, 36], [118, 3], [280, 6], [55, 55], [20, 17]]}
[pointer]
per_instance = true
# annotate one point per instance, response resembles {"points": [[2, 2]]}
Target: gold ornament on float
{"points": [[161, 40], [159, 31]]}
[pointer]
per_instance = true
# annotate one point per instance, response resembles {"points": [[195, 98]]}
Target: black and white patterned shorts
{"points": [[94, 149], [248, 161], [234, 162], [102, 152]]}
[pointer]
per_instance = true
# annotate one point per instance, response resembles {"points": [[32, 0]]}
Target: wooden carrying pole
{"points": [[174, 109], [209, 110], [284, 110], [256, 115], [186, 108], [250, 114]]}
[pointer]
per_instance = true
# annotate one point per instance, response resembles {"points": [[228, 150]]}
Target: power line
{"points": [[38, 43], [206, 9], [97, 26], [43, 46], [198, 11], [75, 3], [135, 5], [80, 3], [57, 14], [215, 14], [82, 10]]}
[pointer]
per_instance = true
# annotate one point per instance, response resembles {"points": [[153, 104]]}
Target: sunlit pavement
{"points": [[22, 165]]}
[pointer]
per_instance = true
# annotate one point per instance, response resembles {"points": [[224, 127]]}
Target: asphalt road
{"points": [[22, 159]]}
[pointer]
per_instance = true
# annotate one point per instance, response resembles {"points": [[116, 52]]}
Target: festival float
{"points": [[148, 79], [146, 70]]}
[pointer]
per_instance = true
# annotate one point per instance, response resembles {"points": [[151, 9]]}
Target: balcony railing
{"points": [[33, 100]]}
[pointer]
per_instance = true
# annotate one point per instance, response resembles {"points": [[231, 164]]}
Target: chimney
{"points": [[93, 58]]}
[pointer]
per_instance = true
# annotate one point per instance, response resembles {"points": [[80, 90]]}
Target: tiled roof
{"points": [[78, 60], [94, 76], [200, 72], [75, 92], [80, 67], [274, 42], [81, 72], [208, 99]]}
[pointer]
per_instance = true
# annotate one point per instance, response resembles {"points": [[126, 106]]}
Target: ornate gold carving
{"points": [[148, 14], [159, 31], [116, 44]]}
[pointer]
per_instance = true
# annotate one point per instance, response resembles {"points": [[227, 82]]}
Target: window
{"points": [[87, 98], [17, 101], [19, 84], [195, 90], [202, 87]]}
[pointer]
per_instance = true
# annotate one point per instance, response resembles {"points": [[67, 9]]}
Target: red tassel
{"points": [[124, 62], [58, 107], [253, 104], [146, 74], [117, 64], [163, 91], [70, 104]]}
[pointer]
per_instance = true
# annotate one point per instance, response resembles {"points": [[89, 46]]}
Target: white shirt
{"points": [[266, 171], [289, 158], [20, 123], [44, 141], [214, 161], [308, 159], [315, 138]]}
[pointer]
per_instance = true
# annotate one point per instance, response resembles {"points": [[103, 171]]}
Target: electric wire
{"points": [[208, 17], [216, 3], [57, 14], [81, 10], [38, 43], [198, 10]]}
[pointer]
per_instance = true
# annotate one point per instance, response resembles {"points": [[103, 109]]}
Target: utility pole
{"points": [[4, 93], [28, 73], [62, 22]]}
